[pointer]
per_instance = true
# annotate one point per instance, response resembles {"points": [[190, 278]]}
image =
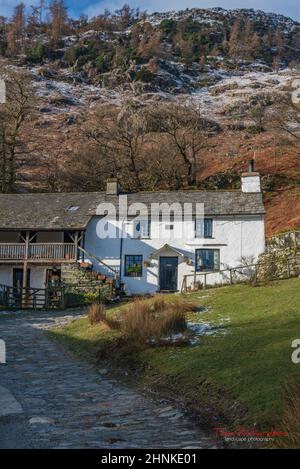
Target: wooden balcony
{"points": [[63, 252]]}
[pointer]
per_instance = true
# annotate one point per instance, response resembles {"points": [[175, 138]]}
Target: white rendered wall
{"points": [[235, 237], [37, 275]]}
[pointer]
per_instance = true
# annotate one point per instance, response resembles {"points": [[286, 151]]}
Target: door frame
{"points": [[20, 270], [159, 271]]}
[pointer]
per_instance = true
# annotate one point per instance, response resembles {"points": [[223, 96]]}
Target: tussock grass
{"points": [[145, 321], [97, 313]]}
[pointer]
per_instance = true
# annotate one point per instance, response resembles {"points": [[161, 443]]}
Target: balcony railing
{"points": [[37, 251]]}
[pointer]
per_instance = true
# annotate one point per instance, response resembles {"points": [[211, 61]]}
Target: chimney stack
{"points": [[251, 179], [112, 186]]}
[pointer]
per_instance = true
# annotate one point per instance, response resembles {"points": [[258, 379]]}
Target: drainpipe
{"points": [[121, 252]]}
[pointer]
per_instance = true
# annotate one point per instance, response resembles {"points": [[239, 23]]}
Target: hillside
{"points": [[233, 66]]}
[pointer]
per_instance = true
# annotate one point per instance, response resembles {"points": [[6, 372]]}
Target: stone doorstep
{"points": [[9, 406]]}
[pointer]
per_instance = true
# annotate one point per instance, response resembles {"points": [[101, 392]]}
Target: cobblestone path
{"points": [[65, 403]]}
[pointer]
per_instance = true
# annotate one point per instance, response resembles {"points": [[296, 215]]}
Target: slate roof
{"points": [[58, 211]]}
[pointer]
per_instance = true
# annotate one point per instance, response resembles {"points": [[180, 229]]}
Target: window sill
{"points": [[207, 271], [204, 242], [131, 276]]}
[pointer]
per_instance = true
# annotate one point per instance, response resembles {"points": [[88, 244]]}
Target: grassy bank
{"points": [[237, 372]]}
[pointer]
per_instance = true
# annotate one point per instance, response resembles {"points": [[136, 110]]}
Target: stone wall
{"points": [[281, 258]]}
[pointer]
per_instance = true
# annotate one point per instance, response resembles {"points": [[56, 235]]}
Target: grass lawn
{"points": [[238, 372]]}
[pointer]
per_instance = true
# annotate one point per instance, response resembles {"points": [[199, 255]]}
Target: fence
{"points": [[58, 297], [240, 274], [31, 298], [37, 251]]}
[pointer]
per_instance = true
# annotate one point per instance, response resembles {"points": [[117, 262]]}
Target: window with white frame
{"points": [[141, 229], [207, 260], [204, 228]]}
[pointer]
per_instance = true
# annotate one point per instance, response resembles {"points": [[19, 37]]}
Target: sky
{"points": [[93, 7]]}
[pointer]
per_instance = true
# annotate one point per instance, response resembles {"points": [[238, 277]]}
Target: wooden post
{"points": [[25, 270], [76, 244], [255, 273], [204, 283], [25, 265], [195, 278], [230, 273]]}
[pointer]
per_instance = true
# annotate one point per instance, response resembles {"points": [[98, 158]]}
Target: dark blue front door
{"points": [[168, 267]]}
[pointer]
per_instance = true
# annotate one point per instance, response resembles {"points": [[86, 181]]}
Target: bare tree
{"points": [[120, 134], [16, 31], [12, 118], [285, 117], [187, 131], [58, 20]]}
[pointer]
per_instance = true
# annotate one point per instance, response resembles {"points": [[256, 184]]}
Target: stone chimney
{"points": [[112, 186], [251, 179]]}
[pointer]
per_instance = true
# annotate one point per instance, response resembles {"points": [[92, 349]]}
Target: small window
{"points": [[207, 260], [134, 266], [169, 227], [203, 228], [142, 229]]}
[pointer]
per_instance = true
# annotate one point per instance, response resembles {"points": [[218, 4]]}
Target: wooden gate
{"points": [[31, 298]]}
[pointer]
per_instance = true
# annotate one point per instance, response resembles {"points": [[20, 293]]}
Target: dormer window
{"points": [[204, 228]]}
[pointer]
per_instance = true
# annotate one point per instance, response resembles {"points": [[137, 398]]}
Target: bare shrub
{"points": [[97, 313], [137, 321], [158, 303], [145, 321], [170, 322]]}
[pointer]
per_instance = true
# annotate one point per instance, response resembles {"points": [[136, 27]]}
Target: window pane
{"points": [[141, 228], [207, 228], [134, 266], [207, 259], [203, 228], [145, 228], [199, 228]]}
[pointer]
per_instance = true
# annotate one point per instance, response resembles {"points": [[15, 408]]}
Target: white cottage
{"points": [[41, 234]]}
